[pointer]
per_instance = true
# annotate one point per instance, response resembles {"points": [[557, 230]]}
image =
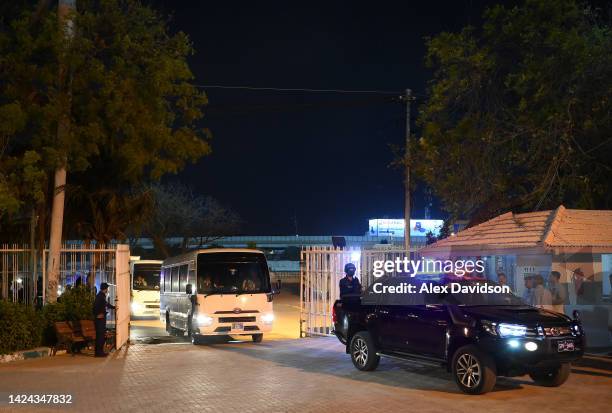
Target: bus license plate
{"points": [[237, 326], [565, 345]]}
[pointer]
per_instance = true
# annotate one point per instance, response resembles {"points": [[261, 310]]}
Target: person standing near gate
{"points": [[99, 310], [349, 284]]}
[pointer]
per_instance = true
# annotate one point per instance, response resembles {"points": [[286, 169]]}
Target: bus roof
{"points": [[147, 262], [191, 255]]}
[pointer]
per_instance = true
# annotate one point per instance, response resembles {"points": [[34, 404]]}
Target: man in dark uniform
{"points": [[349, 284], [99, 310]]}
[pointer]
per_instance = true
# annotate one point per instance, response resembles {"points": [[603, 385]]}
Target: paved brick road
{"points": [[306, 375]]}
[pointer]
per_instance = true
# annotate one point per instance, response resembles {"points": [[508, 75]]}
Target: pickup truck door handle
{"points": [[412, 315], [383, 311]]}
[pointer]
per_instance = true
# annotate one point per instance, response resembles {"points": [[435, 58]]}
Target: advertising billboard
{"points": [[395, 227]]}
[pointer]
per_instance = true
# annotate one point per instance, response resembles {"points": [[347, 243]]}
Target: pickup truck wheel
{"points": [[474, 371], [363, 352], [552, 377], [257, 338]]}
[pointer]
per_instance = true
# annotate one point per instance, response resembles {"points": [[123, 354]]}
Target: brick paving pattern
{"points": [[306, 375]]}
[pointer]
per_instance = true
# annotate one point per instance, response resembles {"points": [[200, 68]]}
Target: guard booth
{"points": [[321, 268]]}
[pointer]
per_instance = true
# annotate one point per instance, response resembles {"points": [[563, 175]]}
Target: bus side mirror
{"points": [[189, 289], [576, 315]]}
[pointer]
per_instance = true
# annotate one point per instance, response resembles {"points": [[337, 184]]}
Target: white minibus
{"points": [[220, 291], [145, 278]]}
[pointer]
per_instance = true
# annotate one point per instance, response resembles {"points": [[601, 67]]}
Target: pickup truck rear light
{"points": [[334, 314]]}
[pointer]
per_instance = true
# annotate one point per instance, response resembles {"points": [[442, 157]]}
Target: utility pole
{"points": [[407, 99]]}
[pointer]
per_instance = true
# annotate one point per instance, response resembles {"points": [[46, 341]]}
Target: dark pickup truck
{"points": [[477, 337]]}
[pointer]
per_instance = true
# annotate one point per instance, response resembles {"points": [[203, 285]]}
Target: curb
{"points": [[28, 354]]}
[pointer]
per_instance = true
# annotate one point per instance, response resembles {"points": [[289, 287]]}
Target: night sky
{"points": [[320, 157]]}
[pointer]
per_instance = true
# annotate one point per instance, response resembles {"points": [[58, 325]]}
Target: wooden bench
{"points": [[75, 335], [67, 337], [87, 329]]}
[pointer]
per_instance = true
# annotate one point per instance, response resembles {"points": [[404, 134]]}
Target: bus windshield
{"points": [[146, 277], [215, 277]]}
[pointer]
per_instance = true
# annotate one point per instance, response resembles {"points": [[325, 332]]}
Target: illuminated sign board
{"points": [[395, 227]]}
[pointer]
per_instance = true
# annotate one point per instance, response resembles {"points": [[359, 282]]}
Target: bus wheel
{"points": [[195, 338], [257, 338]]}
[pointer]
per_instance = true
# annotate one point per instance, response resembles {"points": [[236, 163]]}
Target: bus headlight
{"points": [[267, 318], [136, 307], [204, 320]]}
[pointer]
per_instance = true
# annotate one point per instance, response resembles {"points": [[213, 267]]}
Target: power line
{"points": [[276, 89], [244, 109]]}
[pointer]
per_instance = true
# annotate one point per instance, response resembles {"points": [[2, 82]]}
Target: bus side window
{"points": [[175, 280], [161, 280], [182, 277]]}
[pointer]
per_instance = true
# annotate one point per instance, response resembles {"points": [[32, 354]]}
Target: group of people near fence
{"points": [[551, 296]]}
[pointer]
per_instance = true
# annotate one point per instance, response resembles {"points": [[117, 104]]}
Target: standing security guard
{"points": [[349, 284], [99, 310]]}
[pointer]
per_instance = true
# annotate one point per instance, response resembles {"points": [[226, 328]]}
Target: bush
{"points": [[75, 304], [50, 314], [21, 327], [78, 303]]}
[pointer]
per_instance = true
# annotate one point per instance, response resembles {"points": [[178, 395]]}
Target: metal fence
{"points": [[321, 271], [23, 276], [18, 280], [23, 271]]}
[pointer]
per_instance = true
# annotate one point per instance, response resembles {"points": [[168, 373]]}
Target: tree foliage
{"points": [[519, 112], [134, 113], [195, 219]]}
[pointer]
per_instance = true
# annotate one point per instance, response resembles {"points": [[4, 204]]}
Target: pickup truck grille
{"points": [[532, 332], [563, 331]]}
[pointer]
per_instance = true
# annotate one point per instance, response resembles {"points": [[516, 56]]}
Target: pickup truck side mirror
{"points": [[189, 289], [576, 315], [278, 285]]}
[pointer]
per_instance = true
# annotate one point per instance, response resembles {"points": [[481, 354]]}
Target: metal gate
{"points": [[23, 275], [122, 295], [321, 269]]}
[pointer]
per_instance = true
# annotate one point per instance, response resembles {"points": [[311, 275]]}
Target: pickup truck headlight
{"points": [[490, 327], [511, 330], [136, 307], [504, 329]]}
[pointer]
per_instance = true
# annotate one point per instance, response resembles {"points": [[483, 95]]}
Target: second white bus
{"points": [[145, 277]]}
